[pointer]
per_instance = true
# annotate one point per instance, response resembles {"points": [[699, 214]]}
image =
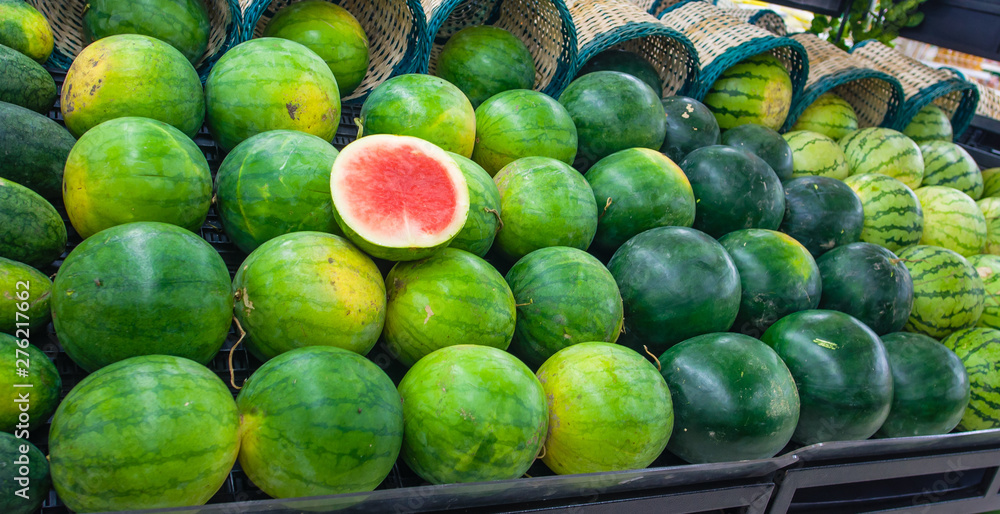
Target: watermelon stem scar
{"points": [[232, 374], [541, 453], [530, 301], [497, 214], [659, 367], [605, 211]]}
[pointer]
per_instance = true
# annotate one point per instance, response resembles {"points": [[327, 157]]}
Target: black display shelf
{"points": [[982, 140], [968, 26]]}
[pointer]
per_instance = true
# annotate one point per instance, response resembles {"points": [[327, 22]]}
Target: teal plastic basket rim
{"points": [[760, 14], [737, 54], [840, 78]]}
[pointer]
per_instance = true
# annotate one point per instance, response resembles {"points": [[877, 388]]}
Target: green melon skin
{"points": [[23, 286], [841, 371], [690, 126], [135, 169], [868, 282], [31, 230], [42, 386], [991, 182], [930, 387], [822, 213], [676, 283], [157, 289], [952, 220], [764, 143], [609, 409], [309, 289], [35, 154], [522, 123], [452, 297], [182, 413], [733, 190], [733, 398], [814, 154], [423, 106], [988, 268], [544, 203], [37, 468], [947, 164], [564, 296], [471, 414], [625, 62], [829, 115], [636, 190], [757, 90], [132, 75], [893, 216], [979, 350], [929, 124], [948, 293], [884, 151], [599, 102], [481, 228], [25, 82], [183, 24], [275, 183], [990, 208], [319, 421], [270, 84], [25, 30], [484, 61]]}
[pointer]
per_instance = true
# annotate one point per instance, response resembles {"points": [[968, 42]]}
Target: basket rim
{"points": [[747, 49], [839, 78]]}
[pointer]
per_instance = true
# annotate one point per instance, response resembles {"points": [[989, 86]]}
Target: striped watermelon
{"points": [[184, 24], [885, 151], [991, 182], [26, 30], [948, 294], [991, 212], [817, 155], [952, 220], [893, 217], [929, 124], [947, 164], [756, 90], [979, 349], [43, 380], [481, 228], [484, 61], [20, 284], [829, 115], [988, 267], [31, 230]]}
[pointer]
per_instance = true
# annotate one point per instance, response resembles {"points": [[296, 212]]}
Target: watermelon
{"points": [[948, 293], [564, 296], [599, 101], [841, 371], [157, 289], [423, 106], [690, 126], [522, 123], [991, 182], [929, 124], [28, 481], [25, 82], [756, 90], [990, 208], [544, 203], [319, 421], [952, 220], [624, 61], [309, 289], [481, 228], [979, 349], [31, 230], [676, 283], [988, 268], [398, 197], [930, 386], [868, 282], [829, 115], [38, 392], [183, 24], [483, 61], [471, 414], [184, 417], [25, 29], [132, 75], [609, 409], [636, 190], [764, 143], [733, 190], [947, 164], [23, 286], [329, 30], [135, 169], [35, 154], [733, 398], [274, 183], [884, 151], [821, 213], [814, 154], [893, 216]]}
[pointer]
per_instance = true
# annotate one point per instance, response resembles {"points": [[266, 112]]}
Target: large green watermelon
{"points": [[756, 90], [868, 282], [929, 124], [988, 268], [829, 115], [979, 349], [822, 213], [690, 126], [484, 61], [884, 151], [25, 29], [27, 471], [35, 154], [952, 220], [184, 24], [25, 295], [38, 391], [624, 61], [481, 228], [814, 154], [947, 164], [990, 208], [764, 143], [31, 230], [893, 217], [991, 182], [25, 83], [947, 291]]}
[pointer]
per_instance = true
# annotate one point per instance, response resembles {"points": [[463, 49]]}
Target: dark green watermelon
{"points": [[184, 24], [764, 143], [31, 230], [626, 62], [868, 282], [480, 230], [35, 154], [24, 82], [821, 213], [27, 481], [485, 60], [690, 126]]}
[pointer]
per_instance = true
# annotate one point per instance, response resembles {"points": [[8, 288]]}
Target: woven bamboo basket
{"points": [[722, 41], [66, 19], [763, 18], [989, 102], [396, 32], [922, 85], [619, 24], [544, 26], [657, 7], [875, 95]]}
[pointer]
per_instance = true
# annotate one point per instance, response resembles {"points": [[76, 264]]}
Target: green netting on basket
{"points": [[544, 26], [618, 24], [66, 19], [875, 95], [922, 85], [396, 31]]}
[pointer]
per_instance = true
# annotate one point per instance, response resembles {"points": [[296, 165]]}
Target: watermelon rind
{"points": [[485, 215]]}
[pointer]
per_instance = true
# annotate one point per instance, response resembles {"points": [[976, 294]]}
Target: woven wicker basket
{"points": [[395, 28], [544, 26], [922, 85], [66, 19], [763, 18], [876, 96], [989, 102], [620, 24], [657, 7]]}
